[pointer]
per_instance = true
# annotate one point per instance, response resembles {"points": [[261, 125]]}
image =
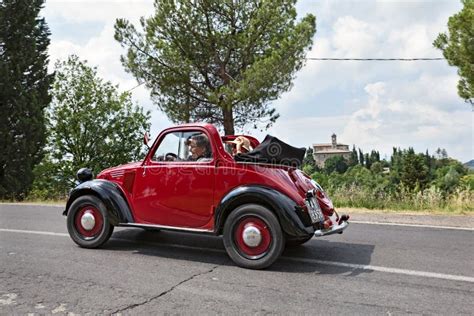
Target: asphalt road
{"points": [[370, 269]]}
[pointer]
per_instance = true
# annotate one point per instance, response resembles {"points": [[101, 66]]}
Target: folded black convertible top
{"points": [[274, 151]]}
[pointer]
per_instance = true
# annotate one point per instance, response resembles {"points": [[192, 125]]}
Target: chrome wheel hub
{"points": [[252, 236], [88, 221]]}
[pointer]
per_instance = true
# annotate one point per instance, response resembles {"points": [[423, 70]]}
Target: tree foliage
{"points": [[458, 48], [24, 85], [413, 171], [91, 125], [335, 164], [217, 61], [353, 160]]}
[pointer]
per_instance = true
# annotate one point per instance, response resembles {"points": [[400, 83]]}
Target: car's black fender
{"points": [[110, 193], [292, 220]]}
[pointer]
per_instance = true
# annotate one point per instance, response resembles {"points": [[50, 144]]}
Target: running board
{"points": [[182, 229]]}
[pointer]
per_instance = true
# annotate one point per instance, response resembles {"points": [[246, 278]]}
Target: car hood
{"points": [[118, 170]]}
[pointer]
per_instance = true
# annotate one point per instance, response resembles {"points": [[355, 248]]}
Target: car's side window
{"points": [[168, 148], [184, 146]]}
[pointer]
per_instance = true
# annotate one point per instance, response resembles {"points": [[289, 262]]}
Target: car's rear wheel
{"points": [[88, 223], [253, 237]]}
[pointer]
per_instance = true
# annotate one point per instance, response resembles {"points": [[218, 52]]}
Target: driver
{"points": [[200, 148]]}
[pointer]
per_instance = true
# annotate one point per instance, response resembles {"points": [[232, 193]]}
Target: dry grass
{"points": [[431, 201]]}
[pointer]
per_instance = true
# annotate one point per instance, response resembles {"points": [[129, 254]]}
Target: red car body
{"points": [[200, 197]]}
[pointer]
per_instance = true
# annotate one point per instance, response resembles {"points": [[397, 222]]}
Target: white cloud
{"points": [[79, 11], [386, 122], [413, 40], [354, 38], [101, 51]]}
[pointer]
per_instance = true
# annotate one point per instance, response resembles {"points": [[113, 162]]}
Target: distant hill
{"points": [[470, 164]]}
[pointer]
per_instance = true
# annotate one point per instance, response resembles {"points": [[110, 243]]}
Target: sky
{"points": [[372, 105]]}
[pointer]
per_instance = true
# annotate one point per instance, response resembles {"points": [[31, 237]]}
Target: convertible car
{"points": [[258, 201]]}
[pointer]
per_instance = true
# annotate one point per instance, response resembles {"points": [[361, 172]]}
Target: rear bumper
{"points": [[335, 229]]}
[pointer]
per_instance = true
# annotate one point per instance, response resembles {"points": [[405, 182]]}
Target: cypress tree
{"points": [[368, 161], [354, 160], [24, 85], [309, 158], [361, 157]]}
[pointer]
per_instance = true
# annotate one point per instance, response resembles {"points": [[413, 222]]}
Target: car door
{"points": [[171, 188]]}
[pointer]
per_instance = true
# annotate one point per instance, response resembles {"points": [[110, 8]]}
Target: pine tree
{"points": [[457, 47], [24, 85], [218, 61]]}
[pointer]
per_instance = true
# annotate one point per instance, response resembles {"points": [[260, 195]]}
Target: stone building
{"points": [[322, 152]]}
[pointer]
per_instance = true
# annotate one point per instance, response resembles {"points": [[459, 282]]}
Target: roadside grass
{"points": [[459, 202], [361, 210]]}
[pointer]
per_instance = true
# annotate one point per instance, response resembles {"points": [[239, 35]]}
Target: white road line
{"points": [[412, 225], [37, 232], [424, 274]]}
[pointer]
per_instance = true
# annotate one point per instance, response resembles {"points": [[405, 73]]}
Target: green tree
{"points": [[91, 125], [218, 61], [335, 164], [353, 160], [468, 181], [368, 162], [361, 157], [450, 180], [376, 167], [414, 172], [458, 48], [24, 85], [374, 156], [309, 158]]}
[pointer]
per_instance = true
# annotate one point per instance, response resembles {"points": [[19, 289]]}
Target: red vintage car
{"points": [[258, 207]]}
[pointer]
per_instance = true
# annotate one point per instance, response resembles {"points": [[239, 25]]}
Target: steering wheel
{"points": [[171, 157]]}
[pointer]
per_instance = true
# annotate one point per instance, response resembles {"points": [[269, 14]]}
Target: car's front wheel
{"points": [[253, 237], [88, 223]]}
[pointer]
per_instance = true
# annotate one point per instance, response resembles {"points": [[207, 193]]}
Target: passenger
{"points": [[200, 148], [240, 145]]}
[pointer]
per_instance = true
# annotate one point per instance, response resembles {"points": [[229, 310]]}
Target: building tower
{"points": [[334, 141]]}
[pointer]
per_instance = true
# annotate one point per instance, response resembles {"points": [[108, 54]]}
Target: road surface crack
{"points": [[164, 292]]}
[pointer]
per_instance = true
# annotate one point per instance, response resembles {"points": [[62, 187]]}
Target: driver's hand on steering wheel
{"points": [[171, 157]]}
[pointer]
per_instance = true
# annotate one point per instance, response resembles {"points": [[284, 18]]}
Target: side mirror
{"points": [[146, 139]]}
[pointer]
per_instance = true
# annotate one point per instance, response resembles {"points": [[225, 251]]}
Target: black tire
{"points": [[298, 242], [271, 244], [102, 229]]}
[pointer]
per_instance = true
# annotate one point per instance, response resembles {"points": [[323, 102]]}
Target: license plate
{"points": [[314, 210]]}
